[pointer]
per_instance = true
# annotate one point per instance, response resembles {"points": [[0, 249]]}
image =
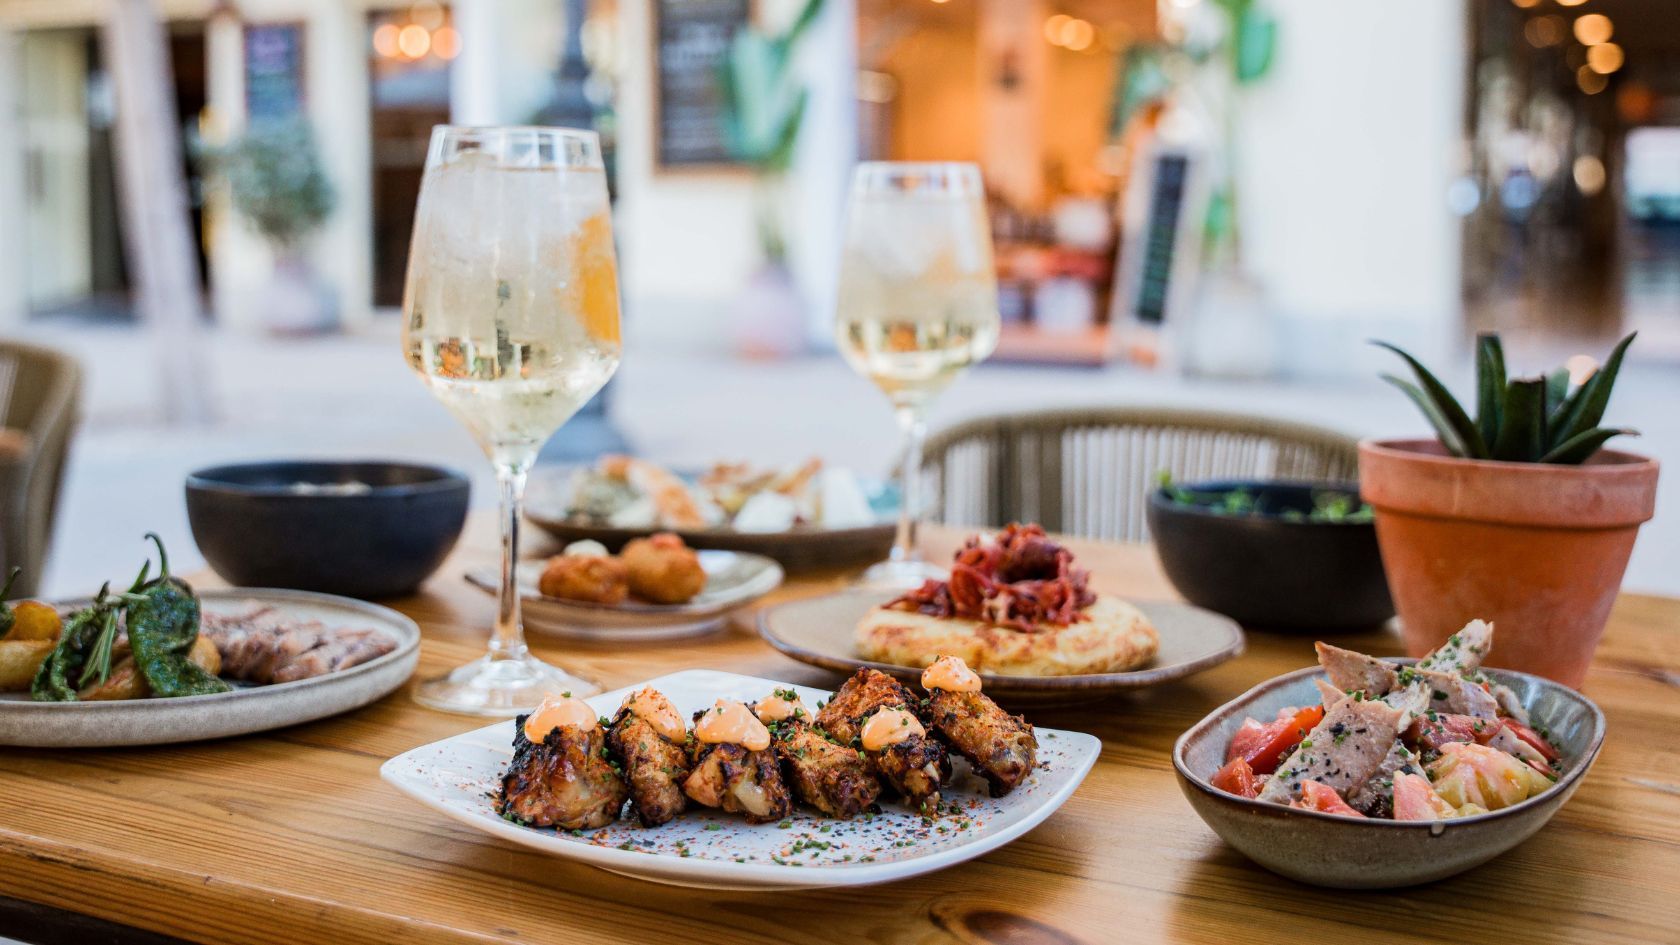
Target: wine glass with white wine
{"points": [[918, 306], [510, 315]]}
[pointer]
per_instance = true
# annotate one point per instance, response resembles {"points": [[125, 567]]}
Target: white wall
{"points": [[1345, 152]]}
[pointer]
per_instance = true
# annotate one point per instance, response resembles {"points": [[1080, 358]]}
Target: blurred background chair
{"points": [[39, 393], [1088, 472]]}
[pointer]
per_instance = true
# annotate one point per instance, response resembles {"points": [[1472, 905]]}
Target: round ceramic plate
{"points": [[733, 580], [818, 631], [244, 710], [802, 548]]}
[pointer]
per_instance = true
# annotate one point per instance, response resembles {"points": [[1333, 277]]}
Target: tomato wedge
{"points": [[1237, 778], [1440, 728], [1264, 745], [1323, 798], [1531, 736]]}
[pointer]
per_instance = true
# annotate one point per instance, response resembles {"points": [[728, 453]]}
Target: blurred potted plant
{"points": [[1518, 515], [274, 174], [767, 109]]}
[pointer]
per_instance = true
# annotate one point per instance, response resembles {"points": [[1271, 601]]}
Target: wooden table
{"points": [[291, 837]]}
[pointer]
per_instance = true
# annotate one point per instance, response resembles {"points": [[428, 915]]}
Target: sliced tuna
{"points": [[1341, 752]]}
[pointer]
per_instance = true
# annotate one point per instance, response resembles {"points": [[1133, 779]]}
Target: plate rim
{"points": [[1235, 645], [757, 876], [408, 643]]}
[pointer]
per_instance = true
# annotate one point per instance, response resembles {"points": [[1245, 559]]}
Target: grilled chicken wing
{"points": [[562, 782], [1001, 747], [653, 763], [739, 780], [914, 766], [831, 777]]}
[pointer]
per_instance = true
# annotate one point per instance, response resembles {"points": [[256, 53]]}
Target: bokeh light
{"points": [[1604, 58], [385, 40], [1543, 31], [1593, 28], [1589, 174], [446, 43], [1589, 81], [413, 41]]}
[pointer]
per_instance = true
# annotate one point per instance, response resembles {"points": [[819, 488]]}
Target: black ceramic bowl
{"points": [[1273, 569], [361, 529]]}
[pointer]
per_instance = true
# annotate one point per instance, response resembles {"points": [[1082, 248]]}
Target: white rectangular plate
{"points": [[710, 849]]}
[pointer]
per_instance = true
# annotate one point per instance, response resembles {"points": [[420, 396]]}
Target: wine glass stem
{"points": [[913, 429], [508, 642]]}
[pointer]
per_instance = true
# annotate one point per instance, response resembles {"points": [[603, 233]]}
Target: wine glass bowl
{"points": [[917, 307], [510, 316]]}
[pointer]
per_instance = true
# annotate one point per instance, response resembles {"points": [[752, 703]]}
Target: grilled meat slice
{"points": [[1001, 747], [262, 645], [654, 766], [830, 777], [915, 766], [1342, 752], [739, 780], [564, 782], [1463, 652], [1356, 672]]}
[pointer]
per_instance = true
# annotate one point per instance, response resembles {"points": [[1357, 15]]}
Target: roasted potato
{"points": [[35, 620], [19, 659], [126, 682]]}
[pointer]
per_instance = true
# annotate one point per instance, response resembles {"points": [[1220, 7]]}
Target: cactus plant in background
{"points": [[1541, 419]]}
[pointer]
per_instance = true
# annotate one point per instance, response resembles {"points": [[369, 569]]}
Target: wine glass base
{"points": [[501, 687], [901, 574]]}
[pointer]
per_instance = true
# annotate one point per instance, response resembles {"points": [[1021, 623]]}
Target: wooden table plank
{"points": [[291, 837]]}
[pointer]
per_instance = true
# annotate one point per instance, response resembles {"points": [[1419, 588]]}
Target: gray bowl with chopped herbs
{"points": [[1282, 556]]}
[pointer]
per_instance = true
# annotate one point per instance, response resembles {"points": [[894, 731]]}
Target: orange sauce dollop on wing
{"points": [[951, 674], [555, 712], [889, 727], [730, 723], [652, 707]]}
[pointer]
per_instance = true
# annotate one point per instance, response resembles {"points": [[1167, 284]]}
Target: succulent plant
{"points": [[1542, 419]]}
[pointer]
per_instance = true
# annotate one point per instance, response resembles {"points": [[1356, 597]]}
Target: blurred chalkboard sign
{"points": [[691, 44], [273, 70], [1163, 215]]}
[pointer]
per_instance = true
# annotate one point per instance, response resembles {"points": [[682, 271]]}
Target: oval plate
{"points": [[733, 580], [802, 548], [818, 631], [244, 710]]}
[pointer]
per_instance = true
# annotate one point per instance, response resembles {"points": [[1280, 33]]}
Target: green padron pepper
{"points": [[58, 676], [162, 627]]}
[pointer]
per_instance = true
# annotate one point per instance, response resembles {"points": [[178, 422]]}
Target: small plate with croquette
{"points": [[655, 588]]}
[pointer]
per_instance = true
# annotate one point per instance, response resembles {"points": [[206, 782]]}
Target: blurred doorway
{"points": [[408, 82], [73, 217]]}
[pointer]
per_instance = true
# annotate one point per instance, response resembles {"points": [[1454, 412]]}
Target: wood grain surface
{"points": [[291, 837]]}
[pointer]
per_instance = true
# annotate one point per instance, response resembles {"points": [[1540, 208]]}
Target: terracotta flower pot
{"points": [[1538, 549]]}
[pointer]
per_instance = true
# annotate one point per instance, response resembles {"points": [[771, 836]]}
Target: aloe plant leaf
{"points": [[1522, 432], [1446, 407], [1577, 449], [1585, 408], [1444, 429], [1490, 385]]}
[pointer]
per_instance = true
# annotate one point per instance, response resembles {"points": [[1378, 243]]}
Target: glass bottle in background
{"points": [[510, 316], [918, 305]]}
